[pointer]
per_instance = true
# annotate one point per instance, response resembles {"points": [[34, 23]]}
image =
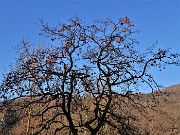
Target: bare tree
{"points": [[85, 80]]}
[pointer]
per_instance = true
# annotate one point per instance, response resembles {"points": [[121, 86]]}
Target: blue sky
{"points": [[159, 20]]}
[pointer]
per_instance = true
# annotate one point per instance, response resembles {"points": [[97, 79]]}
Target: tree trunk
{"points": [[74, 131], [93, 133]]}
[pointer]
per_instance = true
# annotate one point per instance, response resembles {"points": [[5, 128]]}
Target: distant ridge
{"points": [[174, 88]]}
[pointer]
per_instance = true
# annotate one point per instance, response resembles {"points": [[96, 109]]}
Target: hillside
{"points": [[160, 115], [165, 120], [173, 88]]}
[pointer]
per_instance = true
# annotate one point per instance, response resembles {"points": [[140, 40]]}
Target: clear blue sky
{"points": [[159, 21]]}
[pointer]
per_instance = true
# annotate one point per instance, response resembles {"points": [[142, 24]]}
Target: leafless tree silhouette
{"points": [[85, 81]]}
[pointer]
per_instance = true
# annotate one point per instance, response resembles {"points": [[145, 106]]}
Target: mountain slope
{"points": [[162, 118]]}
